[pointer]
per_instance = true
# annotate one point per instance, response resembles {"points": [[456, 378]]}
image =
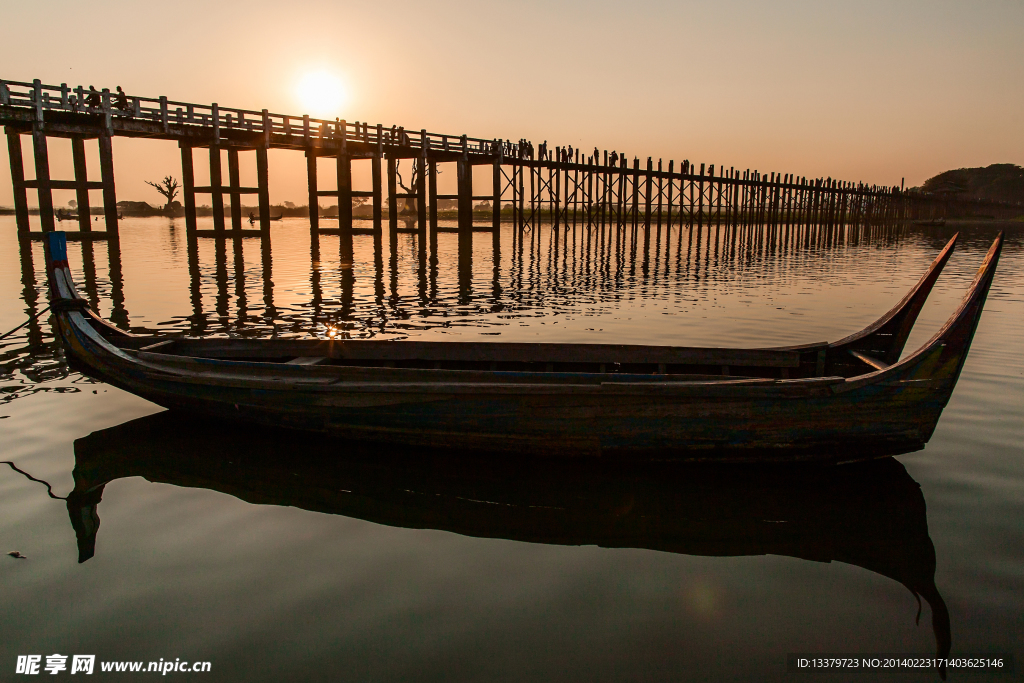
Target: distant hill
{"points": [[998, 182]]}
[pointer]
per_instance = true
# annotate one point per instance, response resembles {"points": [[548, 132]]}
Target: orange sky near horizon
{"points": [[871, 91]]}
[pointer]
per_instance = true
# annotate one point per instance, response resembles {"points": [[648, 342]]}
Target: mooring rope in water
{"points": [[49, 489], [31, 318]]}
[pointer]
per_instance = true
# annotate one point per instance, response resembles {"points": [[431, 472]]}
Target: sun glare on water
{"points": [[322, 94]]}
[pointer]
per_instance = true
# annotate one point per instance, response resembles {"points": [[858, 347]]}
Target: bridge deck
{"points": [[558, 185]]}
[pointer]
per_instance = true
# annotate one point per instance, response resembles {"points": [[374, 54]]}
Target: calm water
{"points": [[284, 557]]}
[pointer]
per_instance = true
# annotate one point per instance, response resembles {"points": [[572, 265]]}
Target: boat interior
{"points": [[873, 348]]}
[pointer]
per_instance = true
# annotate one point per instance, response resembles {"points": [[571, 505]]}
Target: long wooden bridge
{"points": [[530, 184]]}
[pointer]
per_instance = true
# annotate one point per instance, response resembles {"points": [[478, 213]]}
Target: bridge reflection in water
{"points": [[871, 514], [542, 259]]}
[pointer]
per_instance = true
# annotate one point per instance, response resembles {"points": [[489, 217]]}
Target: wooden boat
{"points": [[870, 514], [816, 401], [253, 219]]}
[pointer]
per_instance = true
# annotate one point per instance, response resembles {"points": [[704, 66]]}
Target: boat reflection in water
{"points": [[869, 514]]}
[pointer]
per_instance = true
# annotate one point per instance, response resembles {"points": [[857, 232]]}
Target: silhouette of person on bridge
{"points": [[122, 101], [93, 100]]}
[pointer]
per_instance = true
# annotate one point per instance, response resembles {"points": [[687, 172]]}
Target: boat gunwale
{"points": [[62, 286], [915, 297], [978, 288]]}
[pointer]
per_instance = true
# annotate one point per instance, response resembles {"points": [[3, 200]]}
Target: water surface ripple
{"points": [[278, 556]]}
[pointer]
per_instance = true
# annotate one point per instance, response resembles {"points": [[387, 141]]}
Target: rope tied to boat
{"points": [[57, 306], [66, 305], [30, 319]]}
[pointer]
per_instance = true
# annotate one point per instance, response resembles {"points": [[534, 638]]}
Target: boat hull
{"points": [[738, 421], [894, 408]]}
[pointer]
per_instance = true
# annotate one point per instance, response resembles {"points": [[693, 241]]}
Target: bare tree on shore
{"points": [[417, 170], [168, 187]]}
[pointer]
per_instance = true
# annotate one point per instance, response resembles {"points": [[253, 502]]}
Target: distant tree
{"points": [[168, 187], [73, 203], [998, 182], [410, 202]]}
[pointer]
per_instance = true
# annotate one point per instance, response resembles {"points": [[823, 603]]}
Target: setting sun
{"points": [[321, 94]]}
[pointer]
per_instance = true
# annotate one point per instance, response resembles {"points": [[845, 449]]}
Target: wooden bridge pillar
{"points": [[648, 184], [263, 187], [521, 196], [465, 194], [42, 181], [235, 183], [378, 198], [188, 181], [647, 193], [661, 191], [216, 190], [668, 219], [378, 203], [314, 198], [344, 173], [421, 194], [556, 203], [636, 191], [620, 218], [591, 172], [109, 192], [18, 180], [700, 198], [496, 203], [392, 197], [81, 184], [432, 190], [465, 180]]}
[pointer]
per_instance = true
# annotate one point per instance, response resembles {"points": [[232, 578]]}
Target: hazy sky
{"points": [[871, 91]]}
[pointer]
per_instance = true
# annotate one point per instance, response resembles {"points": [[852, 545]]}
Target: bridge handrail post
{"points": [[64, 92], [5, 93], [215, 114], [37, 99], [163, 112], [268, 128], [107, 117]]}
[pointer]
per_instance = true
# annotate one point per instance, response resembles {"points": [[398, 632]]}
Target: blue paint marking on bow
{"points": [[58, 244]]}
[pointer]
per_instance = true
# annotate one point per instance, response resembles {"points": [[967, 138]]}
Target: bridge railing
{"points": [[42, 97]]}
